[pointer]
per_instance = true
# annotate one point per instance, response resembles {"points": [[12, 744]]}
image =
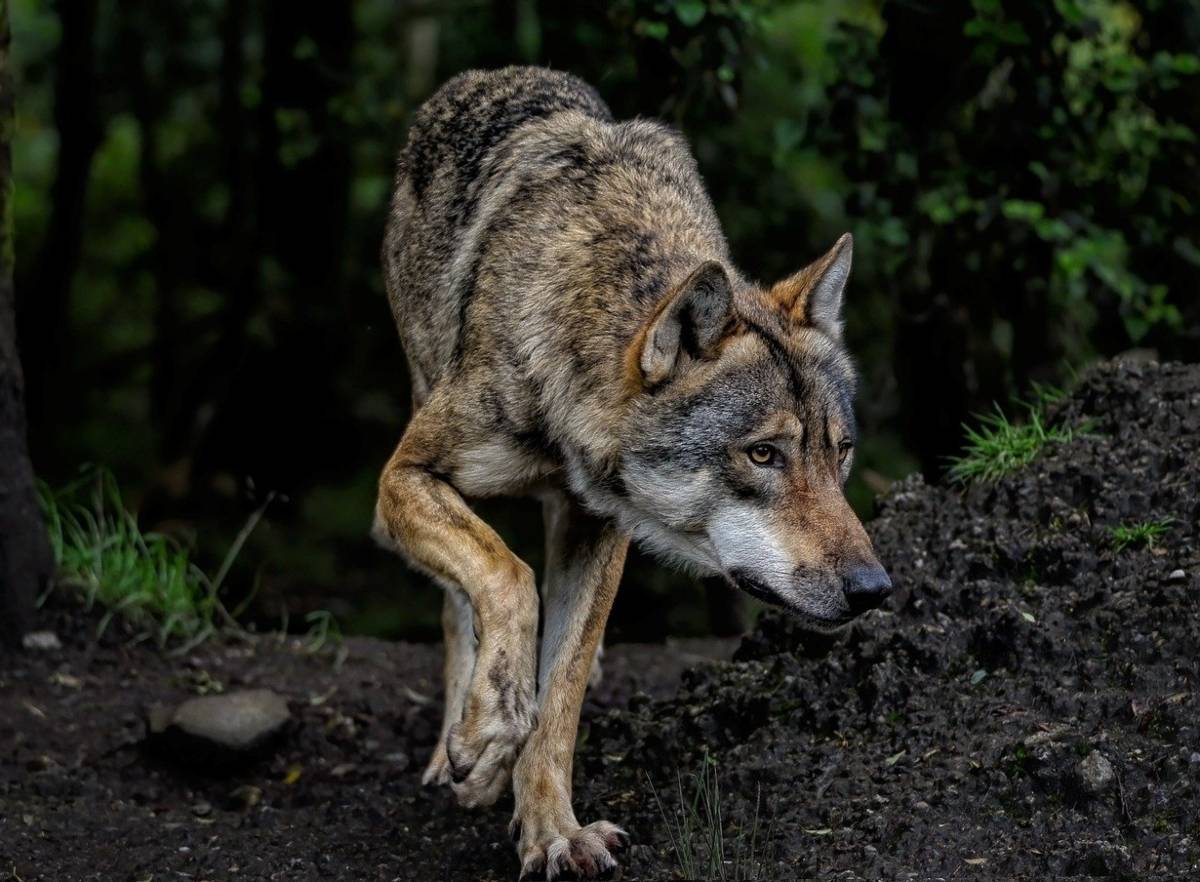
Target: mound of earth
{"points": [[1025, 708]]}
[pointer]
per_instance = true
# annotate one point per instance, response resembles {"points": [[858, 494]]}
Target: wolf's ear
{"points": [[691, 321], [813, 296]]}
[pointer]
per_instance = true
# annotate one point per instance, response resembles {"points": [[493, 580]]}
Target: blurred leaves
{"points": [[1022, 181]]}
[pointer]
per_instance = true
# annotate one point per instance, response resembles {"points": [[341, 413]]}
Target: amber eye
{"points": [[763, 455], [844, 450]]}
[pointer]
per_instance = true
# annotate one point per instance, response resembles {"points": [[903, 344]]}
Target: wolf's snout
{"points": [[866, 588]]}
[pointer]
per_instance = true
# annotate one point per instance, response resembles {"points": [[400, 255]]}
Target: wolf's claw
{"points": [[438, 770], [584, 853]]}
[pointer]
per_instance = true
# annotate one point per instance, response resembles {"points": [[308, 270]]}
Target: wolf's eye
{"points": [[764, 455], [844, 449]]}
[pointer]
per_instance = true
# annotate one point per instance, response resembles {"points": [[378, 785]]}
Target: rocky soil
{"points": [[1025, 708]]}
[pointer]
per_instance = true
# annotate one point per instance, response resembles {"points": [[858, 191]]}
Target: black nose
{"points": [[865, 588]]}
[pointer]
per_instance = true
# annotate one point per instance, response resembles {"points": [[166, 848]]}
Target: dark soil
{"points": [[943, 738]]}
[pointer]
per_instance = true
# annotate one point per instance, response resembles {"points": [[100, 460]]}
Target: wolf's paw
{"points": [[481, 756], [549, 851], [438, 770]]}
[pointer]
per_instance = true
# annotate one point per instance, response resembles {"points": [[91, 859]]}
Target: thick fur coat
{"points": [[575, 330]]}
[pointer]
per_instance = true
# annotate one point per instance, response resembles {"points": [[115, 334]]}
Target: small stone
{"points": [[202, 809], [1176, 576], [41, 763], [921, 806], [219, 729], [245, 797], [1096, 773], [45, 641], [398, 761], [1049, 734], [1194, 759]]}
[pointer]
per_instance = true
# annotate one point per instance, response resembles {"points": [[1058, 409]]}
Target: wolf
{"points": [[575, 331]]}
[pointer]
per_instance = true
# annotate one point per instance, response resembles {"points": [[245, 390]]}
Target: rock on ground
{"points": [[226, 727], [1096, 773]]}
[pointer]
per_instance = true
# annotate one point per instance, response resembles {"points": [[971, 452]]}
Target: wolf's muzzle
{"points": [[866, 588]]}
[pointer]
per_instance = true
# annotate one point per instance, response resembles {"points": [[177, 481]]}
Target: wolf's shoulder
{"points": [[477, 109]]}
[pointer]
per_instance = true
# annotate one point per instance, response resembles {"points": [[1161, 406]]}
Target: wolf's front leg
{"points": [[584, 561], [426, 520]]}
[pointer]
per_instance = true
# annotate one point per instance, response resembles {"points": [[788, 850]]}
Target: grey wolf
{"points": [[575, 330]]}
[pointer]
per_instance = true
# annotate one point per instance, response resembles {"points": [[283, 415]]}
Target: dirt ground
{"points": [[1026, 707]]}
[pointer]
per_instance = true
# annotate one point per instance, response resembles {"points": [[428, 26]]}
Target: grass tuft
{"points": [[704, 850], [148, 579], [998, 446], [323, 631], [1142, 535]]}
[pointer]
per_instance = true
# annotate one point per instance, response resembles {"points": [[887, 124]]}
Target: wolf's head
{"points": [[742, 437]]}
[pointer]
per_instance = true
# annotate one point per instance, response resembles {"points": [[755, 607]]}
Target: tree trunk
{"points": [[165, 204], [44, 308], [300, 193], [25, 560]]}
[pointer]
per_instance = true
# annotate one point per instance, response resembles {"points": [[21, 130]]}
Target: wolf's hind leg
{"points": [[425, 519], [584, 561], [459, 638]]}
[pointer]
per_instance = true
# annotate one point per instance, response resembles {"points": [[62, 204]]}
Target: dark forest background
{"points": [[200, 192]]}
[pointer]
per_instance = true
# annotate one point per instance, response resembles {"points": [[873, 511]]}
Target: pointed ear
{"points": [[813, 296], [690, 322]]}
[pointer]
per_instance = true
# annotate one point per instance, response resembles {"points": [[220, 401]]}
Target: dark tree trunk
{"points": [[930, 360], [25, 560], [932, 344], [183, 393], [240, 244], [240, 233], [166, 203], [300, 202], [44, 307], [312, 183]]}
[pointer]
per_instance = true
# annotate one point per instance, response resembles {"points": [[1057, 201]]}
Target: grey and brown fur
{"points": [[576, 331]]}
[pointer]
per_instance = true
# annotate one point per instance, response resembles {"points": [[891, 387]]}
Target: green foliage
{"points": [[323, 630], [998, 446], [1057, 158], [704, 848], [146, 578], [1140, 535], [1021, 180]]}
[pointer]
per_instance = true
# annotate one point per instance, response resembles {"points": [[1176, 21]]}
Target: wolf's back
{"points": [[476, 110], [439, 177]]}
